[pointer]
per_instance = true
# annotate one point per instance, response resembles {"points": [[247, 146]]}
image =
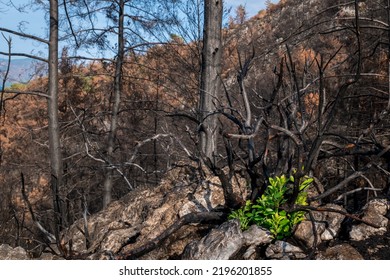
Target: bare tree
{"points": [[117, 98], [54, 129], [134, 27], [210, 85], [55, 155]]}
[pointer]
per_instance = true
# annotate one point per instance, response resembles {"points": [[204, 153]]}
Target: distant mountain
{"points": [[21, 70]]}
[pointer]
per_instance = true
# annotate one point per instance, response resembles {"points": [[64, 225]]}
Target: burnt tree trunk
{"points": [[108, 182], [210, 76], [56, 169]]}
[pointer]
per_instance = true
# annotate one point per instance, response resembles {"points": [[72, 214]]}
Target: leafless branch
{"points": [[24, 35], [243, 136], [327, 209], [20, 92], [25, 55], [49, 236], [355, 191], [143, 142], [70, 24], [289, 133], [9, 43], [339, 186]]}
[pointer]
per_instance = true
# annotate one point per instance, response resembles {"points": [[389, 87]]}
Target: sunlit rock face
{"points": [[146, 213], [375, 213]]}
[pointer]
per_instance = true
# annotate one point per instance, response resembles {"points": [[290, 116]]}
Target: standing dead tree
{"points": [[55, 156], [210, 77]]}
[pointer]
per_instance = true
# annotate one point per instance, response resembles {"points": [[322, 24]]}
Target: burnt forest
{"points": [[169, 129]]}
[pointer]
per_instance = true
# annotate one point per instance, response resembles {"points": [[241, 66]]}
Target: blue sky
{"points": [[252, 6], [33, 23]]}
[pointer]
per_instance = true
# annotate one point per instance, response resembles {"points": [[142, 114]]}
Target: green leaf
{"points": [[266, 210]]}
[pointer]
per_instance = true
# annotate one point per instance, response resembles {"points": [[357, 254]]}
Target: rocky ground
{"points": [[158, 221]]}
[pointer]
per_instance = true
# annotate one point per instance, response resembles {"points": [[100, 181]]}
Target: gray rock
{"points": [[327, 226], [254, 237], [9, 253], [257, 235], [221, 243], [18, 253], [283, 250], [374, 212], [226, 241], [340, 252], [378, 207], [333, 222], [304, 232], [363, 231]]}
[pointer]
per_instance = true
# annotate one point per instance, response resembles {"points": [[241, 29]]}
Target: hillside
{"points": [[303, 111], [21, 70]]}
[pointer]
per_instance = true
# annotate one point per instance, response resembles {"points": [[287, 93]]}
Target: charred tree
{"points": [[210, 76]]}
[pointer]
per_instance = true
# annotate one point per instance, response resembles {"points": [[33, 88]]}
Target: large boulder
{"points": [[145, 213], [283, 250], [221, 243], [228, 242]]}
